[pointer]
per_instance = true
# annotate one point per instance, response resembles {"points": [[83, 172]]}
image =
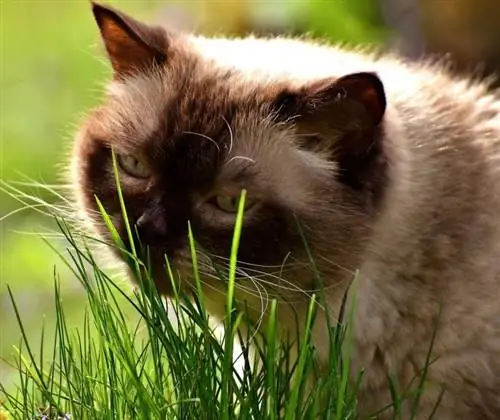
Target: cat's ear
{"points": [[131, 45], [342, 118], [352, 106]]}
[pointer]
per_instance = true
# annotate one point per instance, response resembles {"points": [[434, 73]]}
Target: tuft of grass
{"points": [[135, 356]]}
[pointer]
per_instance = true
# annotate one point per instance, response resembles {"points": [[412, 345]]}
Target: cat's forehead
{"points": [[163, 105]]}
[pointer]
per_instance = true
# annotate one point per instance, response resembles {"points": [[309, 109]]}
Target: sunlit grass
{"points": [[133, 356], [136, 357]]}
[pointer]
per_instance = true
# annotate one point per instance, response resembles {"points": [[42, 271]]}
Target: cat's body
{"points": [[397, 175]]}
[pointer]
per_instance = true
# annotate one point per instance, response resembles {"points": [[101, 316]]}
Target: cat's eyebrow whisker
{"points": [[231, 138], [204, 137], [240, 158]]}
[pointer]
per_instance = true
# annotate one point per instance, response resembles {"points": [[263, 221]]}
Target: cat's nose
{"points": [[152, 224]]}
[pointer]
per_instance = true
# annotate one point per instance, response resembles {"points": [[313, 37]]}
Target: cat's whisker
{"points": [[231, 137], [241, 158], [263, 309], [37, 204], [260, 278], [337, 265], [221, 291], [274, 272], [237, 284], [248, 264], [293, 288], [279, 297], [269, 286], [21, 209], [50, 234], [210, 139], [51, 188], [259, 281]]}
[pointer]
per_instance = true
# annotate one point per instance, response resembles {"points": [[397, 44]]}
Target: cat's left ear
{"points": [[347, 110], [131, 45]]}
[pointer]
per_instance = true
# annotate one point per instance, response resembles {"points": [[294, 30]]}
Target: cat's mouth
{"points": [[154, 260], [165, 264], [159, 267]]}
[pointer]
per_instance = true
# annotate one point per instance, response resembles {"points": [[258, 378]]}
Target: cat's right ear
{"points": [[132, 46]]}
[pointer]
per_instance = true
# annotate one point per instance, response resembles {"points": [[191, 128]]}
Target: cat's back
{"points": [[299, 60]]}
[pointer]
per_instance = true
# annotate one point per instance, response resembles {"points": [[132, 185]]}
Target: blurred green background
{"points": [[52, 71]]}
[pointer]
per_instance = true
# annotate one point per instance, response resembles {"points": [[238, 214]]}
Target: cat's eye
{"points": [[230, 203], [134, 166]]}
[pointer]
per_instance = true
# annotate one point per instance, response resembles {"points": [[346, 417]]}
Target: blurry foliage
{"points": [[351, 22]]}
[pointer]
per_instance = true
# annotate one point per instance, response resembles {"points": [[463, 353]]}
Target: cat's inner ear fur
{"points": [[341, 117], [131, 45]]}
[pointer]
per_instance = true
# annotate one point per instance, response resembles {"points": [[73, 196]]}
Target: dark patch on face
{"points": [[187, 151], [267, 237]]}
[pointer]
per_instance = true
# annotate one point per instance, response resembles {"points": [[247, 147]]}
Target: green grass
{"points": [[133, 357]]}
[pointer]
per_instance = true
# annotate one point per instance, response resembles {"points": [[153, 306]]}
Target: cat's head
{"points": [[190, 133]]}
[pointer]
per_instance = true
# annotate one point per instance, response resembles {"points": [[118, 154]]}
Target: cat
{"points": [[392, 170]]}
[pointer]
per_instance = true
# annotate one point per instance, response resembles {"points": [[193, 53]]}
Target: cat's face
{"points": [[190, 134]]}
